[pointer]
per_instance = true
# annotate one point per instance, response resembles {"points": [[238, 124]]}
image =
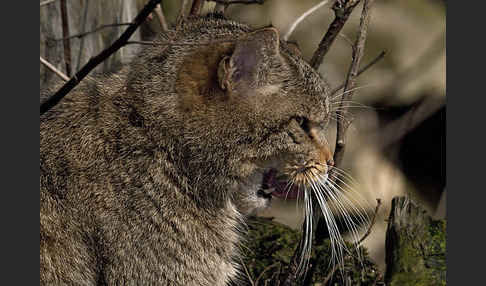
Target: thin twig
{"points": [[362, 70], [52, 68], [347, 39], [80, 35], [197, 6], [292, 276], [329, 276], [150, 43], [302, 17], [348, 93], [182, 12], [246, 271], [397, 129], [46, 2], [342, 10], [160, 15], [93, 62], [65, 33], [378, 204], [263, 272]]}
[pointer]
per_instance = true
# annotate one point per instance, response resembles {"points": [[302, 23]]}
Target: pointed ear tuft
{"points": [[250, 56]]}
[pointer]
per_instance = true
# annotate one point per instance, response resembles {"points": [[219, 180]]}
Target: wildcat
{"points": [[146, 174]]}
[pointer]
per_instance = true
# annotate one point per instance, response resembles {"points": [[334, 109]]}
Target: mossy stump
{"points": [[415, 246]]}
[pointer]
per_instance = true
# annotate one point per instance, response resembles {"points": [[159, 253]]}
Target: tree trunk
{"points": [[415, 246]]}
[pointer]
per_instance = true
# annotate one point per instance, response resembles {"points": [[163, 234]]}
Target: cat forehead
{"points": [[306, 86], [302, 76]]}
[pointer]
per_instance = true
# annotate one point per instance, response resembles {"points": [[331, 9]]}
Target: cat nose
{"points": [[320, 142], [325, 153]]}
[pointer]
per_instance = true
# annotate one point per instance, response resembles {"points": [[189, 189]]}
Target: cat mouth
{"points": [[279, 185]]}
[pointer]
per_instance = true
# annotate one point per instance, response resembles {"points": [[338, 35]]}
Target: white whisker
{"points": [[288, 189], [355, 205], [308, 231], [346, 174], [332, 199], [349, 221], [348, 91], [355, 193], [334, 235]]}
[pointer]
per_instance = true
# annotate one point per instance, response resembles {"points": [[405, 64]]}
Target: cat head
{"points": [[257, 105], [237, 101]]}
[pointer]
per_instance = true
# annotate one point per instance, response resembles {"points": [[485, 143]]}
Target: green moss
{"points": [[435, 259], [269, 247], [416, 247]]}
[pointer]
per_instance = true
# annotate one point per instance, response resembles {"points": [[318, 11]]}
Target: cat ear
{"points": [[239, 72]]}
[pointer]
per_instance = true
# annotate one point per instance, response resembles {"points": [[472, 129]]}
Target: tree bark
{"points": [[415, 246]]}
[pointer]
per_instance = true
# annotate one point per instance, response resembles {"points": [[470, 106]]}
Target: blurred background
{"points": [[396, 144]]}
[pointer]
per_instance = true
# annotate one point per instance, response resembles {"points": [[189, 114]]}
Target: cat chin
{"points": [[249, 197]]}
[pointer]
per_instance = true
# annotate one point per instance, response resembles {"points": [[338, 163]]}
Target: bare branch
{"points": [[65, 33], [182, 12], [378, 204], [342, 10], [93, 62], [362, 70], [397, 129], [46, 2], [302, 17], [348, 93], [52, 68], [140, 43], [347, 39], [197, 7], [160, 15], [263, 272], [80, 35]]}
